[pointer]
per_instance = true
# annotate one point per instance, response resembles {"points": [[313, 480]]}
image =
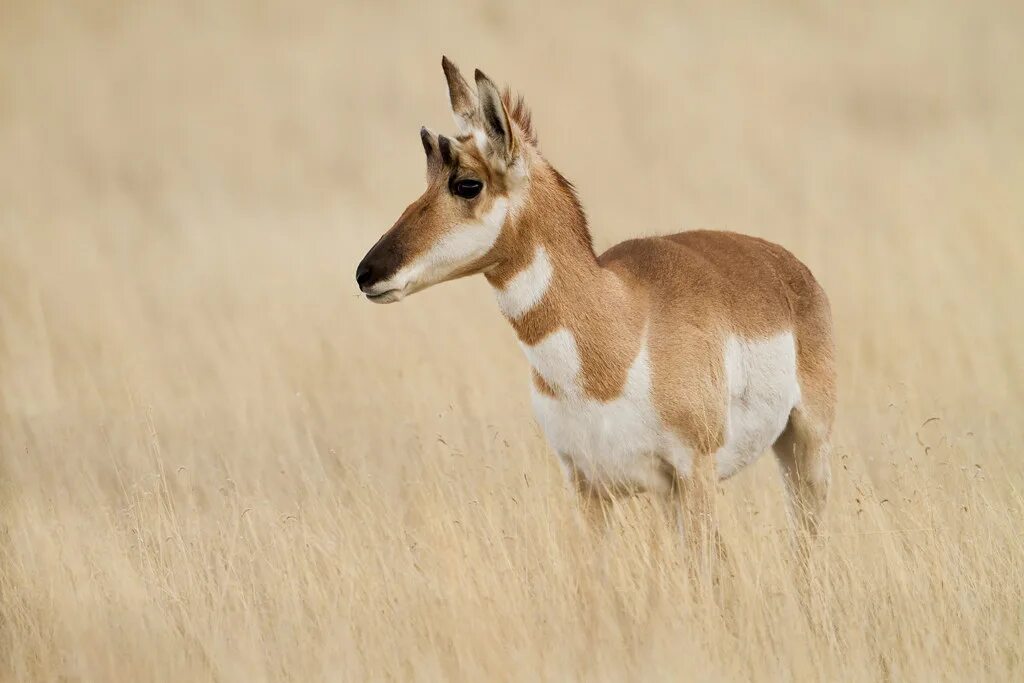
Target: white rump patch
{"points": [[763, 390], [526, 289]]}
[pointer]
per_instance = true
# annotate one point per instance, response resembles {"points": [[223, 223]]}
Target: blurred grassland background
{"points": [[217, 462]]}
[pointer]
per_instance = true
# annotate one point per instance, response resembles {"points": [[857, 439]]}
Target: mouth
{"points": [[386, 297]]}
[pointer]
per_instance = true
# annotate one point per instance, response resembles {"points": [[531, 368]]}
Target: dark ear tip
{"points": [[480, 76]]}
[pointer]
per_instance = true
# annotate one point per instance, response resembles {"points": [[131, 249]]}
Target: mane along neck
{"points": [[564, 202]]}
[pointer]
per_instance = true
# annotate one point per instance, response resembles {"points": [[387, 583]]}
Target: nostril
{"points": [[364, 275]]}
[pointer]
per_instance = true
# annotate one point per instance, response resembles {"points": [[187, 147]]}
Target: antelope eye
{"points": [[467, 189]]}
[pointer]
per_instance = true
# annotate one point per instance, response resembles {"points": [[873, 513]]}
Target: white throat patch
{"points": [[527, 288]]}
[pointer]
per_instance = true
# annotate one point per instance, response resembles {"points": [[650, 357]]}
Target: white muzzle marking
{"points": [[463, 244]]}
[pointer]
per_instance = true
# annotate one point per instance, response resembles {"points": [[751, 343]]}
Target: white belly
{"points": [[623, 444]]}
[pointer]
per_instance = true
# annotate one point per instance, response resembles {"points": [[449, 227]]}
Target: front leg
{"points": [[593, 511]]}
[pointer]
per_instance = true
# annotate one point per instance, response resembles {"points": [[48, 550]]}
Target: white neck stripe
{"points": [[527, 287]]}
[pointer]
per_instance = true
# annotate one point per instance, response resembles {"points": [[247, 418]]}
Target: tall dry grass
{"points": [[219, 463]]}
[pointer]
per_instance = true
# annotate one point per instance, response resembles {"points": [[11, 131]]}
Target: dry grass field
{"points": [[218, 462]]}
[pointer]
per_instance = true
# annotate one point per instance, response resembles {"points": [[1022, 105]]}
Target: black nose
{"points": [[364, 275]]}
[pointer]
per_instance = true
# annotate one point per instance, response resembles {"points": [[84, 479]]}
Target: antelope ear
{"points": [[494, 118], [432, 150], [463, 99]]}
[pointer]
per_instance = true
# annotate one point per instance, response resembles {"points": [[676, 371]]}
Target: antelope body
{"points": [[662, 365]]}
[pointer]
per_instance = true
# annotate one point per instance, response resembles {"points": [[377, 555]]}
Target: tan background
{"points": [[218, 462]]}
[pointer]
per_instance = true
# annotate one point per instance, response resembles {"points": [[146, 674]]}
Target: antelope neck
{"points": [[550, 280]]}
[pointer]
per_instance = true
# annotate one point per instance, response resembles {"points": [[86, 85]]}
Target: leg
{"points": [[803, 454], [594, 505], [803, 448], [696, 507], [595, 509]]}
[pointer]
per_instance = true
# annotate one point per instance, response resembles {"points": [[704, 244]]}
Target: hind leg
{"points": [[803, 452]]}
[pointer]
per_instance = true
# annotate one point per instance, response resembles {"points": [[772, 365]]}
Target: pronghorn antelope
{"points": [[662, 365]]}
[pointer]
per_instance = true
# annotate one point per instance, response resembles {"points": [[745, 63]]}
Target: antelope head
{"points": [[475, 183]]}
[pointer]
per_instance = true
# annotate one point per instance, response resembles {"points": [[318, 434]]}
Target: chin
{"points": [[390, 297]]}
